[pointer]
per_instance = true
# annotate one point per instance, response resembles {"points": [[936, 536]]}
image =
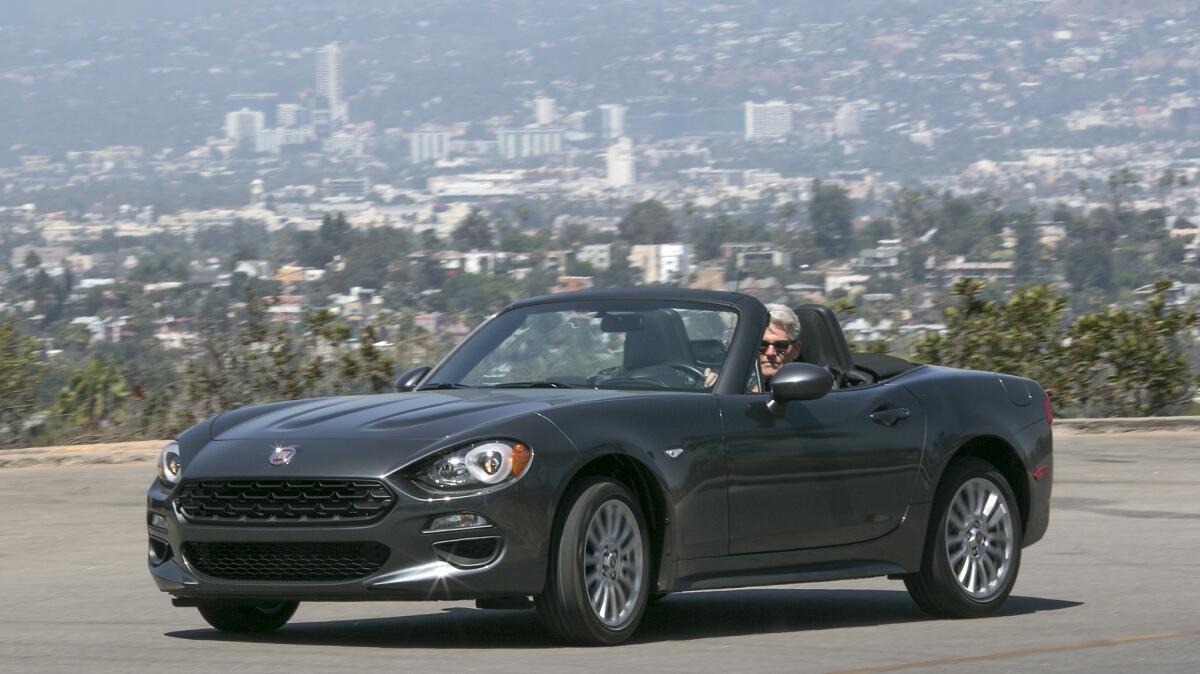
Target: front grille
{"points": [[286, 561], [307, 502]]}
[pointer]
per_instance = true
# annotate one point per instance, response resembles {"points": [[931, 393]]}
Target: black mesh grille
{"points": [[283, 501], [286, 561]]}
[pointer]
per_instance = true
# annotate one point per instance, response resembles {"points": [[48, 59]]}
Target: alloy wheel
{"points": [[979, 540], [612, 563]]}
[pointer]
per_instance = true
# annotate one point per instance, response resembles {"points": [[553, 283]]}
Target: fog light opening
{"points": [[159, 552], [468, 553], [455, 522]]}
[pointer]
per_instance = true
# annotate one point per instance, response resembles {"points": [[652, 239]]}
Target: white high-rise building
{"points": [[848, 121], [287, 115], [329, 83], [428, 146], [243, 126], [612, 120], [765, 121], [532, 142], [545, 111], [621, 164]]}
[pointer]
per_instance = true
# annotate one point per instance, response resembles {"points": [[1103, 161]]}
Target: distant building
{"points": [[426, 146], [847, 123], [545, 111], [766, 121], [266, 103], [288, 115], [347, 187], [662, 263], [535, 142], [621, 170], [856, 118], [612, 120], [599, 255], [755, 255], [329, 83], [885, 256], [949, 272], [244, 126]]}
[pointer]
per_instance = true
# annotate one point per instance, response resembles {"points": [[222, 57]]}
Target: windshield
{"points": [[630, 344]]}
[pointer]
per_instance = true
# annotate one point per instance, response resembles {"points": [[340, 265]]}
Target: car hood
{"points": [[356, 435], [422, 414]]}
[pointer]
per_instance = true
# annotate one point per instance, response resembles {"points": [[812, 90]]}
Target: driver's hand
{"points": [[710, 378]]}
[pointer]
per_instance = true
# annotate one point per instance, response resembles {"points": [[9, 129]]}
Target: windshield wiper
{"points": [[440, 386], [533, 384]]}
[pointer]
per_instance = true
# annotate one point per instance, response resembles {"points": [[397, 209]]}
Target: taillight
{"points": [[1049, 410]]}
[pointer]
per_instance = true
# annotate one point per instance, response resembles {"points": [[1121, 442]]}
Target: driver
{"points": [[780, 342]]}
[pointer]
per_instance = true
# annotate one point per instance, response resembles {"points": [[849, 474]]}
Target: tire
{"points": [[230, 616], [973, 546], [599, 572]]}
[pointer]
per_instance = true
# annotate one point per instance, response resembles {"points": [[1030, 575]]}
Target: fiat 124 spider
{"points": [[589, 452]]}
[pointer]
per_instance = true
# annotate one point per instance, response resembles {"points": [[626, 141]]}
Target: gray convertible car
{"points": [[589, 452]]}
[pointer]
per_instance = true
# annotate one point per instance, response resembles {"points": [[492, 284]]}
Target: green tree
{"points": [[1028, 250], [832, 216], [93, 396], [1021, 336], [1127, 361], [20, 374], [648, 222], [473, 232]]}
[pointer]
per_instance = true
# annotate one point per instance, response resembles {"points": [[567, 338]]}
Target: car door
{"points": [[823, 472]]}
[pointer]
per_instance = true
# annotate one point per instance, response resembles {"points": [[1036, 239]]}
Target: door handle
{"points": [[891, 415]]}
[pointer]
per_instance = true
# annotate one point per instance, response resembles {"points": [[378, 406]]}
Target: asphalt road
{"points": [[1114, 587]]}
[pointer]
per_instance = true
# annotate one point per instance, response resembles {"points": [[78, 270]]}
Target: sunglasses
{"points": [[780, 346]]}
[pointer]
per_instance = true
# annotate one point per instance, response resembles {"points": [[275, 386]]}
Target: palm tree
{"points": [[93, 395]]}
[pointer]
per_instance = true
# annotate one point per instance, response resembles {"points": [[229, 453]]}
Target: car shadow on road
{"points": [[680, 617]]}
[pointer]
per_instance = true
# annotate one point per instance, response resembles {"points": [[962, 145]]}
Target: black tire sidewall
{"points": [[567, 578], [937, 566]]}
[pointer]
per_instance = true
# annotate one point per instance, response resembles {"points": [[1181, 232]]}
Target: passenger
{"points": [[780, 342]]}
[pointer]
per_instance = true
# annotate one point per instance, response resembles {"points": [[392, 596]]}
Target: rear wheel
{"points": [[242, 617], [599, 572], [973, 547]]}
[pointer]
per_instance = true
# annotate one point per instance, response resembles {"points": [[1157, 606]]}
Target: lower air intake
{"points": [[286, 561]]}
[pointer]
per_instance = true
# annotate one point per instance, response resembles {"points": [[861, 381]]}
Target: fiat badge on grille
{"points": [[282, 456]]}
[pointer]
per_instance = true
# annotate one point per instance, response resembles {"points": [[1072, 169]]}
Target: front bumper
{"points": [[414, 569]]}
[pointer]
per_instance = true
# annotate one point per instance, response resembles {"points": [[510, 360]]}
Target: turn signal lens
{"points": [[521, 456]]}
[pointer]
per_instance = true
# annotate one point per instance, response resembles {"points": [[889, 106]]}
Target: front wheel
{"points": [[599, 571], [241, 617], [973, 548]]}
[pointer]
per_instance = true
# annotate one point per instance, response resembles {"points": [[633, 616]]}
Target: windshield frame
{"points": [[484, 339]]}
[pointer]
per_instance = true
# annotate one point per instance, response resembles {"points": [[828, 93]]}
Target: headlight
{"points": [[169, 465], [475, 466]]}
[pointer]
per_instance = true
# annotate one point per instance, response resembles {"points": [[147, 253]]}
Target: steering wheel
{"points": [[631, 382], [690, 371]]}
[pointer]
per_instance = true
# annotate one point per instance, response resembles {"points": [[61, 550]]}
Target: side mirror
{"points": [[409, 379], [800, 381]]}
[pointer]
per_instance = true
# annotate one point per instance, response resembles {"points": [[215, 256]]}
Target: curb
{"points": [[1127, 424], [81, 455]]}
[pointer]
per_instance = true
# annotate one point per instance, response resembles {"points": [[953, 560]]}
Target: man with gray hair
{"points": [[780, 342]]}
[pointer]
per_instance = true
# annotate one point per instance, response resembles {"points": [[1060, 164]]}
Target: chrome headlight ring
{"points": [[476, 466], [170, 466]]}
